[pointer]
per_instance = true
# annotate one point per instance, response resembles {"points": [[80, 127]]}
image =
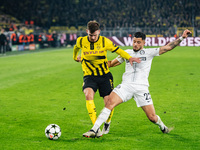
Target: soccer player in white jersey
{"points": [[135, 82]]}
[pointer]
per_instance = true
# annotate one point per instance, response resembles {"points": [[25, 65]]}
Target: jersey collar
{"points": [[137, 51], [93, 42]]}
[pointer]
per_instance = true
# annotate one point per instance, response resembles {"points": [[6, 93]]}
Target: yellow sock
{"points": [[109, 118], [91, 110]]}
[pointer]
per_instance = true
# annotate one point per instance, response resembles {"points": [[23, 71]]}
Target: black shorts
{"points": [[103, 83]]}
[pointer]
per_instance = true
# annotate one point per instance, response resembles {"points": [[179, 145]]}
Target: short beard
{"points": [[137, 49]]}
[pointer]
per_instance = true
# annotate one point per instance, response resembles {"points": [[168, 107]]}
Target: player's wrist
{"points": [[129, 57], [181, 38]]}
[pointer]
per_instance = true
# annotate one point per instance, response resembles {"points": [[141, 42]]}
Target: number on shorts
{"points": [[147, 96]]}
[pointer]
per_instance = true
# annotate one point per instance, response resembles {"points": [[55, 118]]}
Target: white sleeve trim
{"points": [[120, 59]]}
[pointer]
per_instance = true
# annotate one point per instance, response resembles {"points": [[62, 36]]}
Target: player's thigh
{"points": [[142, 96], [124, 91], [89, 82], [105, 85], [113, 100]]}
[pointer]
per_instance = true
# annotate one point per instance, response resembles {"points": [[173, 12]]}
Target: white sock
{"points": [[160, 123], [101, 118]]}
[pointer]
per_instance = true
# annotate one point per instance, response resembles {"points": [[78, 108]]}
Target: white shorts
{"points": [[140, 93]]}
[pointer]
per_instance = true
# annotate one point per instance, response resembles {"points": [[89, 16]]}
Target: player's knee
{"points": [[89, 94], [110, 103]]}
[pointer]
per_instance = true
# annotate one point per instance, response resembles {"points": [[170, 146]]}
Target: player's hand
{"points": [[186, 33], [78, 59], [134, 59]]}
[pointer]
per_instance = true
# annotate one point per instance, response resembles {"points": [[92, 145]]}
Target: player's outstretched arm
{"points": [[125, 55], [113, 63], [174, 43]]}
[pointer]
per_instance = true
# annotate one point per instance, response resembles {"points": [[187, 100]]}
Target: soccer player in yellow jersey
{"points": [[95, 68]]}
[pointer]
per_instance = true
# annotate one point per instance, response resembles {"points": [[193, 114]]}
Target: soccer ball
{"points": [[53, 132]]}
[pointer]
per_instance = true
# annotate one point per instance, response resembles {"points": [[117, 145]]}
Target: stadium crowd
{"points": [[110, 13], [25, 17]]}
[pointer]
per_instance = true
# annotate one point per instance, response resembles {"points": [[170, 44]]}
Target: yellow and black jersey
{"points": [[94, 54]]}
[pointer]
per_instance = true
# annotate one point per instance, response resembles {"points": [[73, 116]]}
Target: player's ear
{"points": [[144, 42], [87, 31]]}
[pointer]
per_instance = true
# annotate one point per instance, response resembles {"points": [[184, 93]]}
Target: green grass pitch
{"points": [[41, 87]]}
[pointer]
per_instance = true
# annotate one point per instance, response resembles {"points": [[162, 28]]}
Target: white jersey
{"points": [[139, 72]]}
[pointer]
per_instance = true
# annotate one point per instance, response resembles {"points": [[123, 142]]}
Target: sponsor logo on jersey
{"points": [[143, 58]]}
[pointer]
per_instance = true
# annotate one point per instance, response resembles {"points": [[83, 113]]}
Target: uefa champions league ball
{"points": [[53, 132]]}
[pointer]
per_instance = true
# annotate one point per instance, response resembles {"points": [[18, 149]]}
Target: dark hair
{"points": [[93, 26], [140, 35]]}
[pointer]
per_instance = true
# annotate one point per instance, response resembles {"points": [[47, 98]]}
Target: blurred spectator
{"points": [[3, 42], [54, 39], [8, 48], [31, 38], [63, 39], [49, 39], [40, 40], [72, 38], [23, 39], [14, 38]]}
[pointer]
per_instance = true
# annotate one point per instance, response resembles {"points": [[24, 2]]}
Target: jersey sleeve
{"points": [[77, 47], [120, 59], [123, 54], [114, 48], [155, 51], [110, 45]]}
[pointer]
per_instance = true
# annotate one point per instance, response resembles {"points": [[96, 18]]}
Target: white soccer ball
{"points": [[53, 132]]}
